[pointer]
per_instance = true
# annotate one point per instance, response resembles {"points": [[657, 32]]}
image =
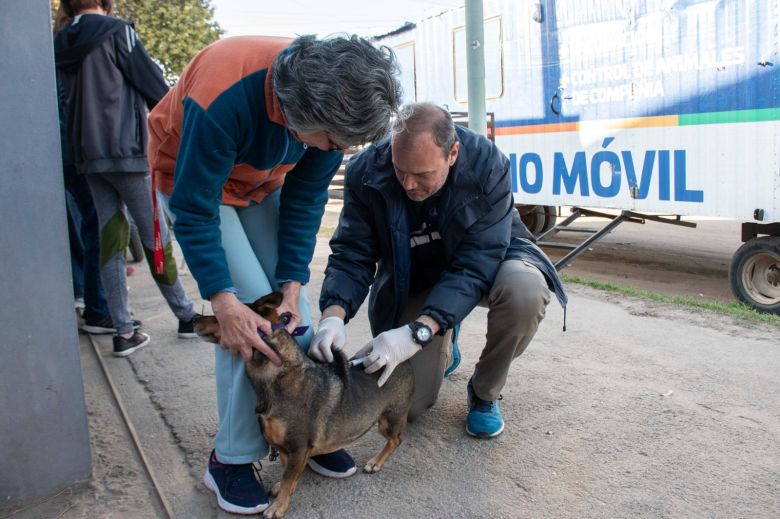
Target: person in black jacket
{"points": [[84, 234], [109, 82], [429, 224]]}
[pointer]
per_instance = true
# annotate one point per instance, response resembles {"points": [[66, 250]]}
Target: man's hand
{"points": [[239, 327], [291, 291], [331, 334], [388, 350]]}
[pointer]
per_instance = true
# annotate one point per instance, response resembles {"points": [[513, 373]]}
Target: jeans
{"points": [[111, 192], [84, 233]]}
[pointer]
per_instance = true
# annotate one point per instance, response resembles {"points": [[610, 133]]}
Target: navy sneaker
{"points": [[484, 419], [238, 490], [337, 464]]}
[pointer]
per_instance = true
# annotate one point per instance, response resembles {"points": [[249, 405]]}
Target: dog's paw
{"points": [[275, 511], [372, 467]]}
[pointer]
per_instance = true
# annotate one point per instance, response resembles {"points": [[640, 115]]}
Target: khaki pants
{"points": [[516, 305]]}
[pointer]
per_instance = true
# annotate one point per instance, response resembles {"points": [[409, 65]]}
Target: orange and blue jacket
{"points": [[219, 137]]}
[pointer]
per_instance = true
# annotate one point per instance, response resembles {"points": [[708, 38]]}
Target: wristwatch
{"points": [[421, 333]]}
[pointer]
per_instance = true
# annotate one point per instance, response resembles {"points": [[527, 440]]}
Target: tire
{"points": [[533, 216], [754, 274], [136, 247], [551, 218]]}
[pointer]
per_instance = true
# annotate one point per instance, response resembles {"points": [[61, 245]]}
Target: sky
{"points": [[322, 17]]}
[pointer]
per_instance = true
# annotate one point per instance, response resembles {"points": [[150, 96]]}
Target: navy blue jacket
{"points": [[479, 225]]}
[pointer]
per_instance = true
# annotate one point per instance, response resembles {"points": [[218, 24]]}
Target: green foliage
{"points": [[172, 31]]}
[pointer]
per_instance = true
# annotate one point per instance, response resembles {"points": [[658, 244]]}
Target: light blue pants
{"points": [[250, 241]]}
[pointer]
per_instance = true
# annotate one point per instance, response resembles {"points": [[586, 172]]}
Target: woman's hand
{"points": [[239, 326], [291, 292]]}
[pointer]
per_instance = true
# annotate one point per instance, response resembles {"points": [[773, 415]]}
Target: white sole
{"points": [[485, 435], [208, 480], [96, 330], [322, 471], [125, 353], [100, 330], [192, 335]]}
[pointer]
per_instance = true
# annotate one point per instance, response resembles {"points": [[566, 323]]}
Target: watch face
{"points": [[423, 334]]}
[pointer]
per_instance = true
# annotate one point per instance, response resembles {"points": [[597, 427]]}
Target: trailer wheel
{"points": [[755, 274], [533, 216], [551, 218]]}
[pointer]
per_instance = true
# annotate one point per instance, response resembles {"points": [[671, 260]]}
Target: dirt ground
{"points": [[640, 409], [659, 257]]}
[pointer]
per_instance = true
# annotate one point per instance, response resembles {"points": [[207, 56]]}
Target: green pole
{"points": [[475, 65]]}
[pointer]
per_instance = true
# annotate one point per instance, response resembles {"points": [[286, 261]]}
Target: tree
{"points": [[173, 31]]}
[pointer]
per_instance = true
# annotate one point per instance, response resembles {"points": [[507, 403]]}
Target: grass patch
{"points": [[735, 309]]}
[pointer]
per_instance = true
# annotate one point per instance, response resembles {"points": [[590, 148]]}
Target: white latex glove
{"points": [[388, 350], [330, 334]]}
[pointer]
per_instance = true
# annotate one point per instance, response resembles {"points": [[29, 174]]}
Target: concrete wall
{"points": [[44, 441]]}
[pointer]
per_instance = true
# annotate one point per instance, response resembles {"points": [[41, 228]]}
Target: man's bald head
{"points": [[425, 147], [417, 119]]}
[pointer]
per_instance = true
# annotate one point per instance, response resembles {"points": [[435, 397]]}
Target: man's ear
{"points": [[454, 153]]}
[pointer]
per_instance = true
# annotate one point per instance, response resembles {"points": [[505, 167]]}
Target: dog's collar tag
{"points": [[299, 331]]}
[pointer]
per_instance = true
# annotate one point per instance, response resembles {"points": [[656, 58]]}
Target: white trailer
{"points": [[651, 107]]}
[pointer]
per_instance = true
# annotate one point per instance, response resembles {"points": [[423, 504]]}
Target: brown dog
{"points": [[306, 408]]}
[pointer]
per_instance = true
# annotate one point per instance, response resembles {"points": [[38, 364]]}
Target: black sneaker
{"points": [[337, 464], [124, 347], [238, 490], [187, 328], [103, 325]]}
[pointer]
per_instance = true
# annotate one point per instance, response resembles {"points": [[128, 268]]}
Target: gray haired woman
{"points": [[243, 149]]}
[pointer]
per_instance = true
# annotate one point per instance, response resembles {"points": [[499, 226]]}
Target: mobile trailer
{"points": [[651, 107]]}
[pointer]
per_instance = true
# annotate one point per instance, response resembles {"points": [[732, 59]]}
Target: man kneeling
{"points": [[429, 224]]}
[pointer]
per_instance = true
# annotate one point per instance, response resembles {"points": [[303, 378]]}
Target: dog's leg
{"points": [[294, 466], [283, 461], [391, 427]]}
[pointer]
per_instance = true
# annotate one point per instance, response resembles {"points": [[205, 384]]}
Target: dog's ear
{"points": [[207, 328], [266, 306]]}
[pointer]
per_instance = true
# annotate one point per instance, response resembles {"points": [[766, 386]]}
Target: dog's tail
{"points": [[340, 367]]}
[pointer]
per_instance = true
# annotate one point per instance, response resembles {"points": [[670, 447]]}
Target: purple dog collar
{"points": [[283, 320]]}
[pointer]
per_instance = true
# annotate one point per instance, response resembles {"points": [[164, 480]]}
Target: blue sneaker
{"points": [[238, 490], [484, 419], [337, 464], [455, 351]]}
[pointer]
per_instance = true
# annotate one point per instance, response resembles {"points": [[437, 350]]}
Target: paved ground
{"points": [[640, 409]]}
